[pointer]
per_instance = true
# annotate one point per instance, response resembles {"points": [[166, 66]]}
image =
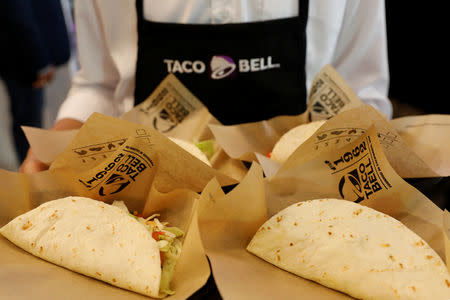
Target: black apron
{"points": [[242, 72]]}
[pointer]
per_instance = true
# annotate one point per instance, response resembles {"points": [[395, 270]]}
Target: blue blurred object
{"points": [[34, 40], [33, 35]]}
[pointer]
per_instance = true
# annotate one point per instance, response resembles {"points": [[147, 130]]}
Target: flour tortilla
{"points": [[92, 238], [292, 139], [192, 149], [354, 249]]}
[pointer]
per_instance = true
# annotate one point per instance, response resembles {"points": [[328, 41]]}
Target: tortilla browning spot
{"points": [[27, 225]]}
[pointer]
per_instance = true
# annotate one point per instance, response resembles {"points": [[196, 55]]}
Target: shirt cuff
{"points": [[44, 70], [372, 97]]}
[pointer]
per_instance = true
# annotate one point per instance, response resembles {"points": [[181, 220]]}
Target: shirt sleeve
{"points": [[94, 84], [358, 44]]}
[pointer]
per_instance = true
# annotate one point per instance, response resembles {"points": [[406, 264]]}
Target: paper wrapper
{"points": [[228, 222], [109, 159], [446, 234], [25, 276], [48, 144], [174, 111], [428, 136], [328, 96], [346, 126], [331, 98], [101, 135], [171, 110]]}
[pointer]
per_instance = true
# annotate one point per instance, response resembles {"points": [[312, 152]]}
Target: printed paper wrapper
{"points": [[328, 96], [228, 222], [409, 153], [346, 126], [429, 137], [109, 159], [446, 234], [172, 110]]}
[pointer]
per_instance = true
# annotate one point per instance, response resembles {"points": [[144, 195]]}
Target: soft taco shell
{"points": [[92, 238], [192, 149], [292, 139], [354, 249]]}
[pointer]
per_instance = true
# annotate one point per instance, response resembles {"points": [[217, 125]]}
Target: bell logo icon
{"points": [[222, 66], [350, 187]]}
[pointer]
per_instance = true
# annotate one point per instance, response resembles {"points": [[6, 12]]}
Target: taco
{"points": [[102, 241], [353, 249], [292, 139]]}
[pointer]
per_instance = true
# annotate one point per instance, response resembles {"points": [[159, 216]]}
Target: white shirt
{"points": [[350, 35]]}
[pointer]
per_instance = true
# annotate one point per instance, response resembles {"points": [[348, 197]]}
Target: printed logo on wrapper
{"points": [[167, 111], [326, 101], [350, 187], [361, 176], [97, 151], [163, 122], [120, 172], [318, 112]]}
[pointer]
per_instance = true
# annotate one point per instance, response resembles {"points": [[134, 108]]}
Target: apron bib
{"points": [[241, 72]]}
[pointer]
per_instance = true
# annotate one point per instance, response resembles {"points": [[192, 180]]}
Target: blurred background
{"points": [[60, 43], [417, 53], [414, 62]]}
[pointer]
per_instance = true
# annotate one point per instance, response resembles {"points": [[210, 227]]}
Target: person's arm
{"points": [[361, 53], [94, 84], [353, 40]]}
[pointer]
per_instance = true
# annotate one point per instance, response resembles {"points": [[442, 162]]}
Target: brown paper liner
{"points": [[45, 280], [171, 110], [110, 159], [13, 186], [328, 173], [48, 144], [428, 136], [228, 222], [410, 153], [346, 126], [185, 117], [446, 235], [329, 95]]}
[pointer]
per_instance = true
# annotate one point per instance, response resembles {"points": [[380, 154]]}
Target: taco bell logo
{"points": [[222, 66], [350, 187]]}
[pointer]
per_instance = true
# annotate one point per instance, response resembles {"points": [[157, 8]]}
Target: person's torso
{"points": [[218, 11], [241, 71]]}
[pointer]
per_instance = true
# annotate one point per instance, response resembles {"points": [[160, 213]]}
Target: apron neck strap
{"points": [[303, 8], [140, 9]]}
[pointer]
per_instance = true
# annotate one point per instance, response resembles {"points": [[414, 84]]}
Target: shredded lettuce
{"points": [[207, 147], [169, 245], [175, 230], [163, 245], [170, 260]]}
